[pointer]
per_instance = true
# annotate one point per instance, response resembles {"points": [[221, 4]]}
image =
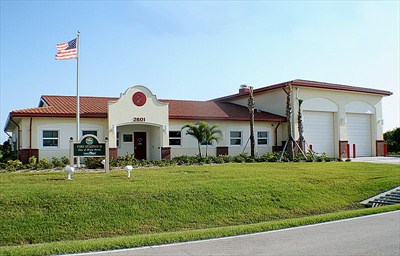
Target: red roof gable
{"points": [[65, 106]]}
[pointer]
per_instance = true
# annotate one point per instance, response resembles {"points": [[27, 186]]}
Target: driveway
{"points": [[378, 160], [369, 235]]}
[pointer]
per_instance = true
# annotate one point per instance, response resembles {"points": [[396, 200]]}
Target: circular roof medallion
{"points": [[139, 99]]}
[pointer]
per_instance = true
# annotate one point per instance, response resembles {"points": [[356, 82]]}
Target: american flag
{"points": [[66, 51]]}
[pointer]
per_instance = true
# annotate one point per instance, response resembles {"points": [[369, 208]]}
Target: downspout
{"points": [[30, 137], [19, 133], [276, 134]]}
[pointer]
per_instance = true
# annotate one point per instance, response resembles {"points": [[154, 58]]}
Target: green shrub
{"points": [[128, 159], [143, 162], [227, 158], [94, 162], [113, 162], [32, 163], [14, 165], [162, 163], [185, 160], [57, 163], [241, 158], [270, 157], [219, 159], [44, 164], [65, 160]]}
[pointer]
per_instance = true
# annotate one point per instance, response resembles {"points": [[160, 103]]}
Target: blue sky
{"points": [[197, 50]]}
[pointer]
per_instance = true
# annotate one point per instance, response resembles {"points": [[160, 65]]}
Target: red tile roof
{"points": [[211, 110], [311, 84], [65, 106]]}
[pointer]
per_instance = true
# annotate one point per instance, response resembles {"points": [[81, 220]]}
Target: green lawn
{"points": [[44, 207]]}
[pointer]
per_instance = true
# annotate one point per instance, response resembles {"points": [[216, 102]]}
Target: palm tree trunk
{"points": [[198, 144]]}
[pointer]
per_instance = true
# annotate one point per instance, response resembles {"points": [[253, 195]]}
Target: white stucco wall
{"points": [[189, 144], [340, 103], [270, 101], [66, 128]]}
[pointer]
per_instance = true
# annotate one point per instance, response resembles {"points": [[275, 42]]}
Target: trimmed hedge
{"points": [[129, 159]]}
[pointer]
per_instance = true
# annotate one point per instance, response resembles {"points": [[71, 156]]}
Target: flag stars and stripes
{"points": [[66, 51]]}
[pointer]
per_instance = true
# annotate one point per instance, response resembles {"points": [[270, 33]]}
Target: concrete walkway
{"points": [[378, 160], [376, 235]]}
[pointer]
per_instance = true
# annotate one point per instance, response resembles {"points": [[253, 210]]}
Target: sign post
{"points": [[107, 165], [71, 151]]}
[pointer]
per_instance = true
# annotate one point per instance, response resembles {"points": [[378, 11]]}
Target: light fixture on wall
{"points": [[343, 120], [380, 121]]}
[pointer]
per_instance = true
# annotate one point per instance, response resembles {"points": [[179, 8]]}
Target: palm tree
{"points": [[203, 133], [212, 133], [198, 131]]}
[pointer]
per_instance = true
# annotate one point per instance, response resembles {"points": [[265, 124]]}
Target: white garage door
{"points": [[359, 133], [318, 131]]}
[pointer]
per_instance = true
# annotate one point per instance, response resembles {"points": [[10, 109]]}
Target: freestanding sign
{"points": [[89, 146]]}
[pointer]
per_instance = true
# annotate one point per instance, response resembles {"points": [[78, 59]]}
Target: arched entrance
{"points": [[138, 124]]}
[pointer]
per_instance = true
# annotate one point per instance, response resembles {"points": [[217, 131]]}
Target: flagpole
{"points": [[77, 94]]}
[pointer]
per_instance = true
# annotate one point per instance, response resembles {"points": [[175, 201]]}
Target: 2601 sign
{"points": [[139, 119]]}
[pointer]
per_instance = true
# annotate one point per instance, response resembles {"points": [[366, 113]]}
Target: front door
{"points": [[140, 145]]}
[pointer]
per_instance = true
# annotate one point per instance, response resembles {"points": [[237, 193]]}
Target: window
{"points": [[205, 143], [236, 138], [89, 132], [262, 138], [175, 138], [118, 139], [50, 138], [127, 138]]}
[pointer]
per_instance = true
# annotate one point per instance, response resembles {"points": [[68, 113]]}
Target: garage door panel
{"points": [[318, 131], [359, 133]]}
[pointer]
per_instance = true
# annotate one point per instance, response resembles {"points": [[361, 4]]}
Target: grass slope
{"points": [[43, 207]]}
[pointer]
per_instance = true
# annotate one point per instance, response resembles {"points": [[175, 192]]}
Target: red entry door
{"points": [[140, 145]]}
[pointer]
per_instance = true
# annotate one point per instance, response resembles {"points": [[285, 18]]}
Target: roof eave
{"points": [[65, 115], [338, 87], [277, 119]]}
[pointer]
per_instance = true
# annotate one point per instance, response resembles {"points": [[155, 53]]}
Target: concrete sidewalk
{"points": [[378, 160]]}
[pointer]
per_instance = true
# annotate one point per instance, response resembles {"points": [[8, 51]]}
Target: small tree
{"points": [[392, 139], [198, 131], [203, 133], [5, 152], [212, 133]]}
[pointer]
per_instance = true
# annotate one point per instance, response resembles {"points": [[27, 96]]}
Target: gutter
{"points": [[9, 136], [30, 137]]}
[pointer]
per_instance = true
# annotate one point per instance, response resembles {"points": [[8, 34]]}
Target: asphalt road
{"points": [[371, 235]]}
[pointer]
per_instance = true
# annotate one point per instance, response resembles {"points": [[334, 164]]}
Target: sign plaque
{"points": [[90, 147]]}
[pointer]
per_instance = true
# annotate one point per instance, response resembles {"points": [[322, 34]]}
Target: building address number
{"points": [[139, 119]]}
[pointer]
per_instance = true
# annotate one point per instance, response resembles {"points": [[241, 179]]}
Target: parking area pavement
{"points": [[378, 160]]}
